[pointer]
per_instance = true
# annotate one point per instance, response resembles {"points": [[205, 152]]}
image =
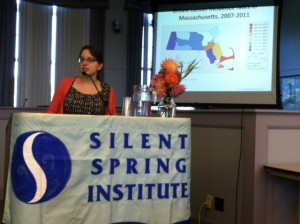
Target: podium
{"points": [[98, 169]]}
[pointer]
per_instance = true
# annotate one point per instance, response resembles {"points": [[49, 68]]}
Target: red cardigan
{"points": [[57, 104]]}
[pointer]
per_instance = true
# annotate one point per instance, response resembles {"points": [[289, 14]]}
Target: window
{"points": [[48, 39], [290, 90], [16, 70], [147, 50]]}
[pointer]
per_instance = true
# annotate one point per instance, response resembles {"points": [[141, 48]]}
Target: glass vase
{"points": [[167, 107]]}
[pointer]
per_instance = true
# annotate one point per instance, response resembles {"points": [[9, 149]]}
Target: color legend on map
{"points": [[258, 46]]}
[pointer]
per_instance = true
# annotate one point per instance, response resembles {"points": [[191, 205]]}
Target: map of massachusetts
{"points": [[194, 41]]}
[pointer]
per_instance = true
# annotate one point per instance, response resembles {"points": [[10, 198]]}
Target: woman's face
{"points": [[88, 64]]}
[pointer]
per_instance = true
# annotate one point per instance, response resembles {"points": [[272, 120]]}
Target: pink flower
{"points": [[156, 78], [177, 90], [160, 88]]}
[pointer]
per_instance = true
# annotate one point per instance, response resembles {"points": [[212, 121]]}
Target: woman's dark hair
{"points": [[96, 53]]}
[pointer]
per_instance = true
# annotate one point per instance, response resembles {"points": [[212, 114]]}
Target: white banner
{"points": [[98, 169]]}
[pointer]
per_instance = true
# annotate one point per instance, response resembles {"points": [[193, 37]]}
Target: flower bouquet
{"points": [[166, 85]]}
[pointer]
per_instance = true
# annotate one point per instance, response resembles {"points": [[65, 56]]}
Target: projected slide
{"points": [[234, 47]]}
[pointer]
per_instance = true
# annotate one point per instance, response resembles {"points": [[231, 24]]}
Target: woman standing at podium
{"points": [[85, 94]]}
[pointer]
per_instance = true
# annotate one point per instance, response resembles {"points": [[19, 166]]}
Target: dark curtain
{"points": [[97, 29], [136, 10], [139, 5], [8, 9], [134, 50], [74, 3]]}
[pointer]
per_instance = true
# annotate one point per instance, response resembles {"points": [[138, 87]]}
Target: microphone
{"points": [[25, 100], [100, 95]]}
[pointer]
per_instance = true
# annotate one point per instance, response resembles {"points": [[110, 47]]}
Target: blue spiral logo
{"points": [[40, 167]]}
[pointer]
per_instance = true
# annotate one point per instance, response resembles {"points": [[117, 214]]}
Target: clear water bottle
{"points": [[141, 101]]}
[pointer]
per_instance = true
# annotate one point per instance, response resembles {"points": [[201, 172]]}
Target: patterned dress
{"points": [[80, 103]]}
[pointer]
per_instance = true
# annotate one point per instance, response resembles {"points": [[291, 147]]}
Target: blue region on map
{"points": [[192, 42], [210, 54]]}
